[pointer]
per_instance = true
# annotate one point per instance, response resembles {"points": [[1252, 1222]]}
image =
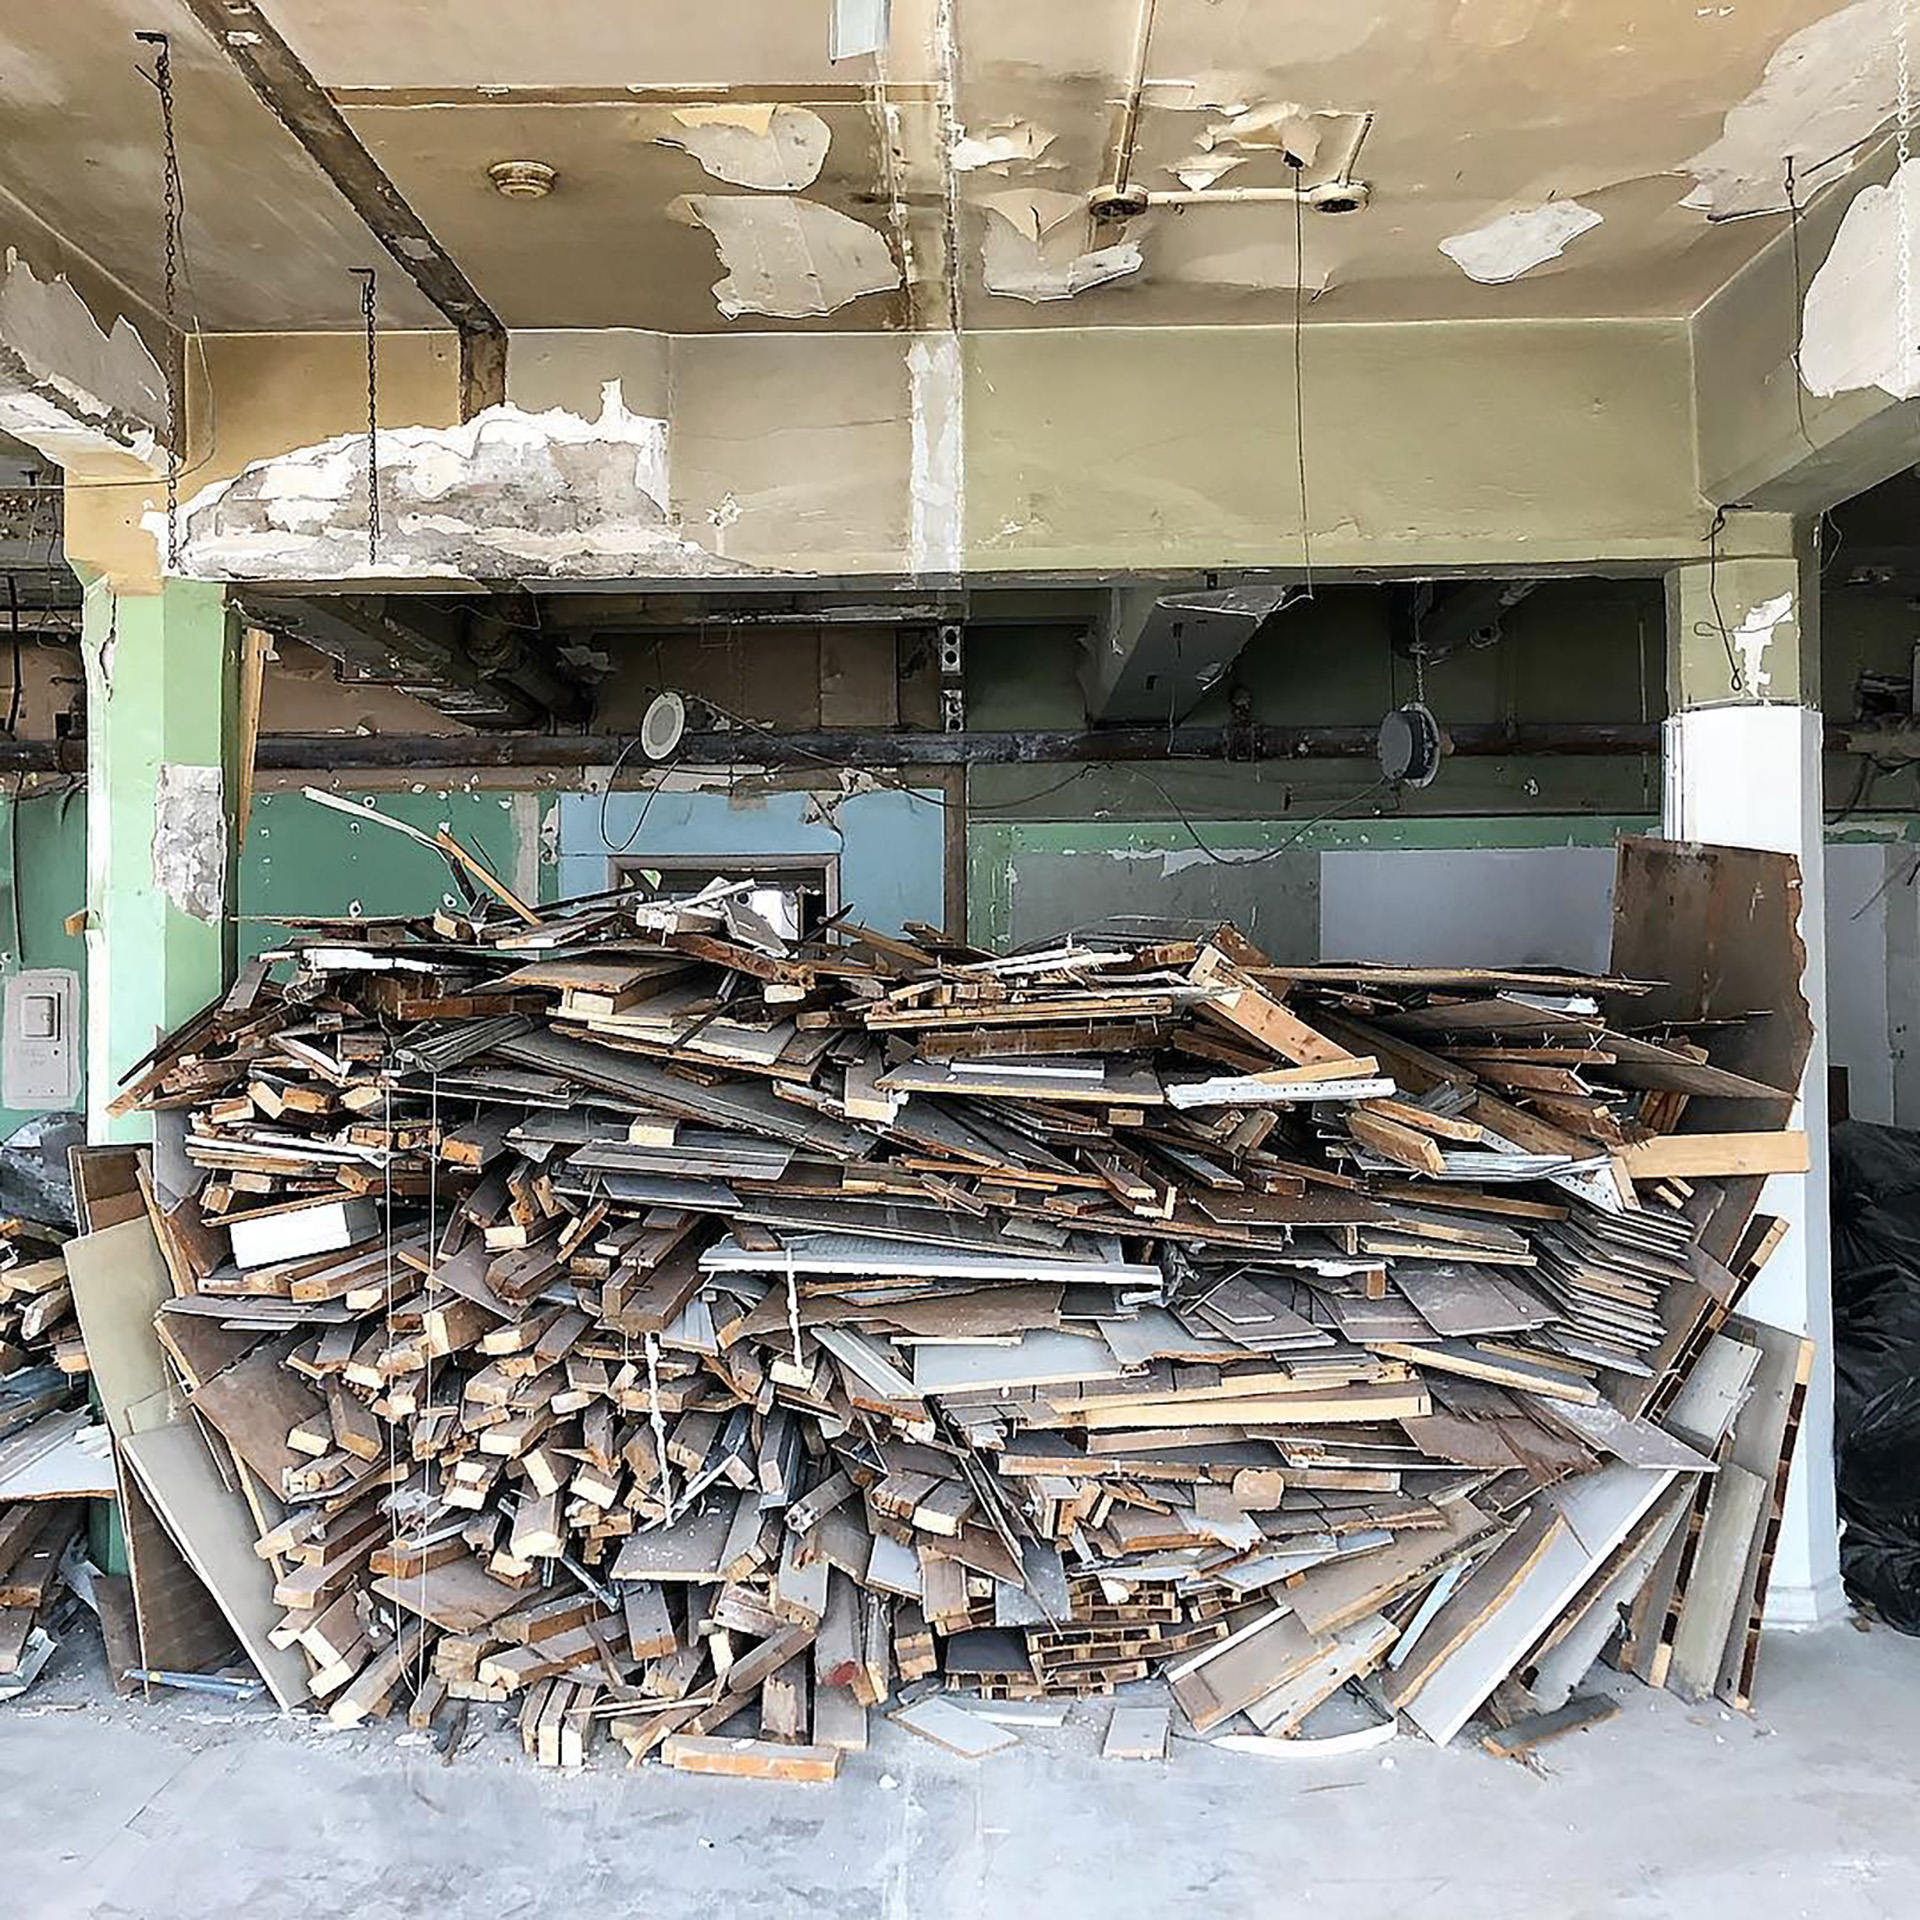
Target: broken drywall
{"points": [[67, 388], [1854, 333], [790, 258], [1516, 243], [190, 839], [1033, 247], [778, 149], [1826, 89], [506, 494]]}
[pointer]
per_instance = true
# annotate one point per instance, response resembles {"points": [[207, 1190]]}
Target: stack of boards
{"points": [[52, 1456], [693, 1337]]}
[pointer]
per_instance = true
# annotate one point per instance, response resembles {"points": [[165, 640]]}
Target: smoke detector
{"points": [[522, 179]]}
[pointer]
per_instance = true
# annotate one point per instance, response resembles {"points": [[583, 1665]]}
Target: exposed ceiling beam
{"points": [[859, 747], [473, 667], [1445, 617], [301, 105], [1160, 652]]}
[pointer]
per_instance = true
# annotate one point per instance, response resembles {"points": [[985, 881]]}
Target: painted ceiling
{"points": [[714, 169]]}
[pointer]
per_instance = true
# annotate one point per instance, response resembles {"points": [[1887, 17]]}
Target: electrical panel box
{"points": [[40, 1057]]}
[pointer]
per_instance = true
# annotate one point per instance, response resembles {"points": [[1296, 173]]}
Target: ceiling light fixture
{"points": [[522, 179]]}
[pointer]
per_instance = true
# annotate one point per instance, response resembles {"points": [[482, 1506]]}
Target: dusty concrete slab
{"points": [[135, 1811]]}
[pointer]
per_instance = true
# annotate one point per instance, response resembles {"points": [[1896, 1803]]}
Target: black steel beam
{"points": [[250, 41]]}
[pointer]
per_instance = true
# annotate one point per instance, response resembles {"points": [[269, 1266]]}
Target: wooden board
{"points": [[211, 1527]]}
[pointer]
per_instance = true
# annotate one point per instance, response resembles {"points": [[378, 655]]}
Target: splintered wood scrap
{"points": [[1520, 1737]]}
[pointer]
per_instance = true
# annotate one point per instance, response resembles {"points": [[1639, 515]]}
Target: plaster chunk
{"points": [[791, 258], [546, 495], [1852, 324], [1516, 243], [1826, 89], [778, 149], [67, 387]]}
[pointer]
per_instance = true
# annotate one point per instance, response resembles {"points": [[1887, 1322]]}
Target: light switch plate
{"points": [[40, 1054]]}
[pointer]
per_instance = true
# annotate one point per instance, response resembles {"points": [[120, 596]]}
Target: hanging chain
{"points": [[1419, 672], [1903, 201], [370, 319], [173, 202]]}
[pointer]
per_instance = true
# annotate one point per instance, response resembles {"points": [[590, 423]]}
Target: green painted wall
{"points": [[43, 876], [306, 859], [1574, 650]]}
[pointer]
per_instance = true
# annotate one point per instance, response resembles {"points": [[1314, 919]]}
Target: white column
{"points": [[1746, 772]]}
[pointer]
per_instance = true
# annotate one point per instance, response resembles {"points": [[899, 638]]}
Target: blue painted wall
{"points": [[889, 843]]}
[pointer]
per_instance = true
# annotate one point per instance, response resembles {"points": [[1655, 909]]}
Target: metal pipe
{"points": [[280, 753], [1130, 117]]}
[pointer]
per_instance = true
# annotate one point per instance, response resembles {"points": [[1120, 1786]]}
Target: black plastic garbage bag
{"points": [[1876, 1355]]}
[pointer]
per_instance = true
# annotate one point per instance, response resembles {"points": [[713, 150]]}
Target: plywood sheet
{"points": [[210, 1525]]}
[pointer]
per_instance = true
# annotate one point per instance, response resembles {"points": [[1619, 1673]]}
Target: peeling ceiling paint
{"points": [[1516, 243], [1826, 89], [506, 494], [789, 257], [778, 149], [1033, 249], [999, 146], [1479, 107], [1852, 332]]}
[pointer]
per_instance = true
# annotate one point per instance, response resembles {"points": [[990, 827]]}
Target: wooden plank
{"points": [[751, 1759], [1695, 1156]]}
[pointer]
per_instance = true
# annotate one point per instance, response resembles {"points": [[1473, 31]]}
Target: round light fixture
{"points": [[662, 725], [1411, 744], [522, 179]]}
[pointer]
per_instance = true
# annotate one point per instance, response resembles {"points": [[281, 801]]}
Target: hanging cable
{"points": [[1271, 853], [13, 625], [1300, 386], [370, 320], [173, 213], [1736, 678], [1902, 195], [1799, 308]]}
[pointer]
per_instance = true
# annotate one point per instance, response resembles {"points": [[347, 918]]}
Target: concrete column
{"points": [[1742, 767], [161, 736]]}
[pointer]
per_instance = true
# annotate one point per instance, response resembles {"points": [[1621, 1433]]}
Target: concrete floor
{"points": [[126, 1810]]}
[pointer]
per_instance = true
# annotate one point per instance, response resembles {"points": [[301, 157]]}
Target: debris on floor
{"points": [[676, 1330]]}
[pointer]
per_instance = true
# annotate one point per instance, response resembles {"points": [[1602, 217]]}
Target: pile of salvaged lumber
{"points": [[37, 1325], [673, 1329], [51, 1454]]}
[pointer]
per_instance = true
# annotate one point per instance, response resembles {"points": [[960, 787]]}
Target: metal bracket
{"points": [[951, 647]]}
